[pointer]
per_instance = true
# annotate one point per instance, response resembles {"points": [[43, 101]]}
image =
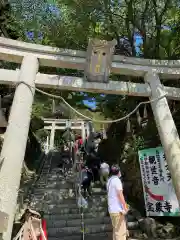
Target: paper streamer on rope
{"points": [[145, 117], [104, 133], [3, 122], [53, 106], [128, 127], [145, 112], [138, 117]]}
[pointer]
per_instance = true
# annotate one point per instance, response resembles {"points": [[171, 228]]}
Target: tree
{"points": [[70, 23]]}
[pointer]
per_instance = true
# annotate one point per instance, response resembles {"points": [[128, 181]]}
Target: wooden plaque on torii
{"points": [[99, 60]]}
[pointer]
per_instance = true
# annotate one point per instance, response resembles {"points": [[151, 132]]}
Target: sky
{"points": [[138, 42], [90, 104]]}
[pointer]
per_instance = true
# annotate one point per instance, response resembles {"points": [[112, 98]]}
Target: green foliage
{"points": [[157, 22]]}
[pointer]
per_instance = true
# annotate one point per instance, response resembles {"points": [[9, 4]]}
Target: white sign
{"points": [[159, 195]]}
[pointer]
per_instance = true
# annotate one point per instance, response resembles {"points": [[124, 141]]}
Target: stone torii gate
{"points": [[31, 56], [54, 124]]}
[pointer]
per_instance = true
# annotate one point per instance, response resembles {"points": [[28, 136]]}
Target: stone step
{"points": [[55, 172], [72, 216], [53, 196], [56, 179], [54, 192], [49, 200], [36, 200], [56, 196], [60, 232], [59, 200], [94, 236], [133, 235], [60, 173], [65, 210], [38, 191], [71, 208], [87, 222], [55, 185], [76, 222], [45, 171], [58, 207], [100, 236], [92, 215], [50, 177], [46, 167], [68, 200], [67, 203], [53, 209]]}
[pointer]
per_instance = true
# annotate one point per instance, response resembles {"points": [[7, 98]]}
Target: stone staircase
{"points": [[55, 196]]}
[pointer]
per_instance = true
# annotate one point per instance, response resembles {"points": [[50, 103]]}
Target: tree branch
{"points": [[166, 5], [158, 25], [4, 32]]}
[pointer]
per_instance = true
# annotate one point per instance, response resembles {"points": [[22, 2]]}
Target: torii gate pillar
{"points": [[47, 145], [52, 136], [15, 140], [83, 131], [87, 130], [167, 129]]}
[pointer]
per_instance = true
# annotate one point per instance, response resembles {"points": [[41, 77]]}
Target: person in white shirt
{"points": [[117, 206], [104, 173]]}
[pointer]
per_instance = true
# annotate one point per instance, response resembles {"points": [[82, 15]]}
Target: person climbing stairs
{"points": [[55, 195]]}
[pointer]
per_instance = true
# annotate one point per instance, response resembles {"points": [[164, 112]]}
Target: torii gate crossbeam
{"points": [[14, 51], [61, 124], [31, 56], [78, 84]]}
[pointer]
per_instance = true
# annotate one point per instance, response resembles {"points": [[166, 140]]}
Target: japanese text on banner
{"points": [[159, 194]]}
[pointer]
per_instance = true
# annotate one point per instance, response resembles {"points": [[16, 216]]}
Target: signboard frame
{"points": [[159, 195]]}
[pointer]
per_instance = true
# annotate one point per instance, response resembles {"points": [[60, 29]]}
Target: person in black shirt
{"points": [[93, 160], [86, 179]]}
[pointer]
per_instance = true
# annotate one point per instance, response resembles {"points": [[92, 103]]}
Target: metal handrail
{"points": [[78, 193], [41, 166], [33, 224], [50, 155], [77, 184], [49, 169]]}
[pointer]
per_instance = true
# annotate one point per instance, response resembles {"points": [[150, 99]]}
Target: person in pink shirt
{"points": [[78, 143]]}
